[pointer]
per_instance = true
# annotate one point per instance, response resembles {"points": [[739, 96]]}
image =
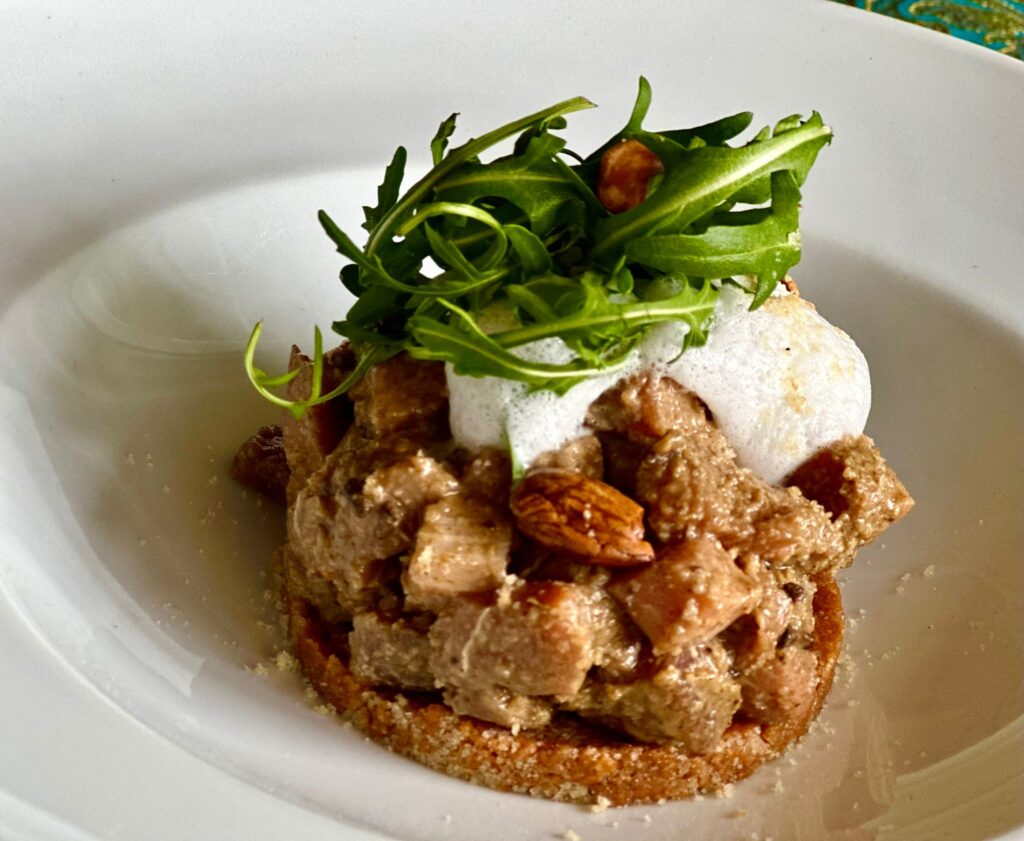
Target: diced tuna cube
{"points": [[536, 640], [461, 547], [496, 704], [645, 407], [405, 487], [345, 546], [319, 591], [691, 701], [617, 641], [582, 455], [691, 484], [691, 592], [403, 394], [801, 590], [753, 638], [622, 458], [793, 531], [783, 688], [390, 653], [856, 486], [488, 475], [348, 536]]}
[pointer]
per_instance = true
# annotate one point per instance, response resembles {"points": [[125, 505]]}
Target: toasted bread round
{"points": [[568, 760]]}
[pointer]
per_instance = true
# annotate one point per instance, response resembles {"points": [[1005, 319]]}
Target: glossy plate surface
{"points": [[159, 180]]}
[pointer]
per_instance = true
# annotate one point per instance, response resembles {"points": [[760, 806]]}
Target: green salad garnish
{"points": [[522, 249]]}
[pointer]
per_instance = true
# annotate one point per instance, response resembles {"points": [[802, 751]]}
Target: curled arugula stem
{"points": [[525, 247], [263, 383]]}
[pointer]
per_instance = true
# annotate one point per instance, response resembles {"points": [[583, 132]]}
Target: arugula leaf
{"points": [[374, 273], [440, 141], [759, 191], [349, 276], [715, 133], [534, 181], [523, 242], [473, 353], [387, 192], [622, 280], [597, 319], [456, 157], [371, 268], [696, 181], [589, 165], [530, 303], [530, 249], [372, 307], [447, 249], [752, 242]]}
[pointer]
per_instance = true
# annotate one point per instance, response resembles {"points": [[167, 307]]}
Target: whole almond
{"points": [[567, 511], [626, 168]]}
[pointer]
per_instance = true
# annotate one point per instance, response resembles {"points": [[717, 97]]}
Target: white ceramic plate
{"points": [[159, 176]]}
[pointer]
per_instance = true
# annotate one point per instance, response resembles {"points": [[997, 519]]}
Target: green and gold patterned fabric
{"points": [[997, 24]]}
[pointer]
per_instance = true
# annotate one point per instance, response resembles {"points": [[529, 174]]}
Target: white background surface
{"points": [[159, 177]]}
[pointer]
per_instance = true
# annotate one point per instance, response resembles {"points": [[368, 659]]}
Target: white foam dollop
{"points": [[484, 410], [782, 383]]}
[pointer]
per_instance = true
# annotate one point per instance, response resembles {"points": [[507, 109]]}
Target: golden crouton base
{"points": [[567, 760]]}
